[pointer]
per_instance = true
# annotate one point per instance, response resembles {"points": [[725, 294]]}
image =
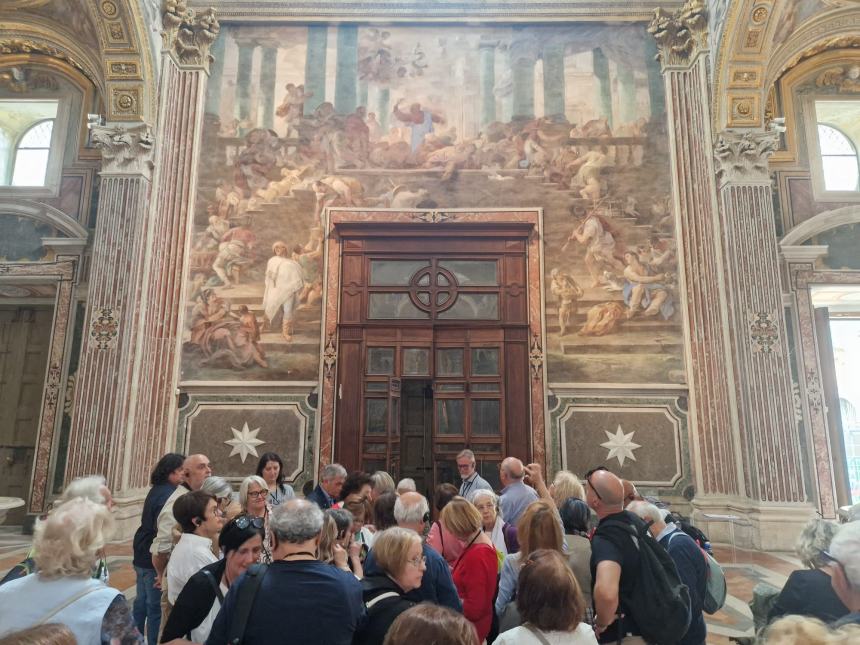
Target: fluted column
{"points": [[757, 323], [243, 84], [627, 91], [315, 66], [268, 79], [346, 70], [523, 76], [682, 44], [99, 439], [182, 90], [553, 80]]}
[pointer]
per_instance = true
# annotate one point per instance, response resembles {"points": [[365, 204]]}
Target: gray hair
{"points": [[813, 539], [296, 521], [406, 485], [485, 492], [646, 510], [217, 486], [332, 471], [89, 487], [406, 513], [382, 482], [466, 453], [845, 547], [246, 484]]}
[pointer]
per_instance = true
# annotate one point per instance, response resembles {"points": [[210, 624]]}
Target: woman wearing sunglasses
{"points": [[241, 542], [253, 496]]}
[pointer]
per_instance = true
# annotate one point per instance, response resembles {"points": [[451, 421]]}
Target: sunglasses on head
{"points": [[588, 479], [244, 521]]}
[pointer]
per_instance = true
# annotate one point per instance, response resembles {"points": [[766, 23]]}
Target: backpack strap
{"points": [[370, 604], [536, 633], [247, 593], [441, 537], [210, 578]]}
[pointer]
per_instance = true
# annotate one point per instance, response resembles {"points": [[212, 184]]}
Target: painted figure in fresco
{"points": [[284, 284], [646, 291], [292, 107], [602, 319], [565, 289], [356, 145], [236, 339], [589, 169], [312, 265], [257, 159], [334, 190], [374, 128], [234, 252], [596, 233], [419, 120], [210, 238]]}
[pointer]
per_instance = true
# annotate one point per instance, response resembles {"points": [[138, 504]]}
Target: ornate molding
{"points": [[536, 357], [330, 355], [433, 217], [741, 156], [845, 79], [31, 46], [188, 35], [764, 332], [125, 150], [104, 328], [680, 35]]}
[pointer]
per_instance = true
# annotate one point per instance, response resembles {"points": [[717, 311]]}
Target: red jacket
{"points": [[476, 579]]}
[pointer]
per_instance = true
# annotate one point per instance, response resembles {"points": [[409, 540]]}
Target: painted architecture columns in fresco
{"points": [[747, 448], [126, 402]]}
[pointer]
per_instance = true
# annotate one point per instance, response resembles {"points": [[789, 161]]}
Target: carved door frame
{"points": [[802, 275], [538, 407]]}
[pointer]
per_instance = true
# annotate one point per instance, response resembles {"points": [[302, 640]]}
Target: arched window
{"points": [[31, 155], [838, 159]]}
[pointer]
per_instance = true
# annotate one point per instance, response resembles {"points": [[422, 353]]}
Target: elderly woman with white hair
{"points": [[809, 592], [66, 547], [503, 535], [253, 496]]}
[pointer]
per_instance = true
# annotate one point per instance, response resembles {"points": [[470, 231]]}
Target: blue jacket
{"points": [[437, 585], [693, 571], [319, 497]]}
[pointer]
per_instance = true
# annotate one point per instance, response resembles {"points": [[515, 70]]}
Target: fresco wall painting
{"points": [[567, 118]]}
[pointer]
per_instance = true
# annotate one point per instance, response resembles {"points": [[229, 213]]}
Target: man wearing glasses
{"points": [[472, 481], [614, 564], [844, 553]]}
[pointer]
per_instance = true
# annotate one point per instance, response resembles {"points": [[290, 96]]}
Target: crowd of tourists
{"points": [[361, 560]]}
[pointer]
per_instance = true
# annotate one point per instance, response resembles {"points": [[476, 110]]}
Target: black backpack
{"points": [[659, 602]]}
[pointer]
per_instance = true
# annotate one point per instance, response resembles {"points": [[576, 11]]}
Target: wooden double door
{"points": [[433, 350]]}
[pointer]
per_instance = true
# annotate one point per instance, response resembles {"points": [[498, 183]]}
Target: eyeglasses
{"points": [[244, 521], [257, 493], [588, 480], [464, 466], [418, 562]]}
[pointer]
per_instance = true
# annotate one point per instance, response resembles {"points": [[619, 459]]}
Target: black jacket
{"points": [[194, 602], [382, 613], [319, 497]]}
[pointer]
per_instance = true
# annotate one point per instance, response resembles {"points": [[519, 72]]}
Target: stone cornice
{"points": [[803, 254], [741, 156], [126, 149], [681, 35], [438, 10], [188, 35]]}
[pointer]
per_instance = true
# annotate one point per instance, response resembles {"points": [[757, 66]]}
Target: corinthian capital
{"points": [[188, 35], [125, 150], [741, 156], [680, 35]]}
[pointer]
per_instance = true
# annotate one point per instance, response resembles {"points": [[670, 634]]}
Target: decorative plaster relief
{"points": [[28, 46], [124, 150], [844, 79], [330, 355], [742, 155], [536, 357], [680, 35], [188, 35]]}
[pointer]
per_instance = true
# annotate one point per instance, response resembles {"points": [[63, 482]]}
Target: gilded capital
{"points": [[680, 35], [125, 150], [188, 35], [741, 156]]}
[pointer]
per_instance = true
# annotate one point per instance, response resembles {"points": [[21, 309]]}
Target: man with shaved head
{"points": [[516, 496], [614, 560]]}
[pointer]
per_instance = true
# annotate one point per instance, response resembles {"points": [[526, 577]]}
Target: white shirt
{"points": [[163, 542], [582, 635], [190, 554], [200, 633]]}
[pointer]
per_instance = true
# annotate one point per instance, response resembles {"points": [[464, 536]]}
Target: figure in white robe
{"points": [[284, 284]]}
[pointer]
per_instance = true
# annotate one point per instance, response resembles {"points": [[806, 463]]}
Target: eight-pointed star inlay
{"points": [[245, 442], [620, 445]]}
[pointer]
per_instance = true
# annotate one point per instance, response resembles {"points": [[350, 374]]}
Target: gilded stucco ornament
{"points": [[124, 149], [29, 46], [680, 35], [188, 35], [845, 79], [741, 155]]}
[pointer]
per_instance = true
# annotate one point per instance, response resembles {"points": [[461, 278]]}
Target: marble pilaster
{"points": [[182, 92], [315, 66], [104, 382], [757, 322]]}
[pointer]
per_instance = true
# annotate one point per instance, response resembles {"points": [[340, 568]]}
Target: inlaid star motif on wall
{"points": [[620, 445], [244, 442]]}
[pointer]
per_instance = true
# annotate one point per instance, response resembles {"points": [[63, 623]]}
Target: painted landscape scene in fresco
{"points": [[570, 119]]}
